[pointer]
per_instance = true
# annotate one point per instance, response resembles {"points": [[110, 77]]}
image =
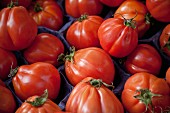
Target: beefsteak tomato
{"points": [[7, 101], [164, 40], [129, 8], [112, 3], [92, 96], [89, 62], [168, 76], [18, 29], [8, 61], [38, 104], [159, 9], [145, 58], [33, 79], [144, 92], [118, 36], [47, 13], [83, 32], [45, 48], [76, 8]]}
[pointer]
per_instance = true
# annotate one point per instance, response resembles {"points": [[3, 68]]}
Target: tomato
{"points": [[112, 3], [164, 40], [92, 96], [33, 79], [25, 3], [129, 8], [145, 58], [118, 37], [45, 48], [168, 76], [143, 89], [89, 62], [7, 101], [7, 61], [47, 13], [83, 32], [18, 29], [159, 9], [38, 104], [76, 8]]}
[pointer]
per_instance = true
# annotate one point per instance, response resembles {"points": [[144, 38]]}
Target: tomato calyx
{"points": [[37, 7], [13, 71], [12, 4], [148, 18], [145, 96], [68, 56], [98, 83], [39, 101], [82, 17]]}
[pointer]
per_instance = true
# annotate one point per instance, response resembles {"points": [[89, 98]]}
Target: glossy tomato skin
{"points": [[164, 40], [18, 29], [83, 33], [145, 80], [86, 98], [50, 14], [87, 62], [48, 107], [116, 38], [76, 8], [7, 101], [45, 48], [25, 3], [33, 79], [7, 61], [155, 6], [129, 8], [167, 76], [145, 58], [112, 3]]}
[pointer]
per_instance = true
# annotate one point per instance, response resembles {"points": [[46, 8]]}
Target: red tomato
{"points": [[25, 3], [35, 78], [90, 62], [7, 101], [18, 29], [76, 8], [38, 104], [142, 86], [145, 58], [112, 3], [45, 48], [129, 8], [47, 13], [83, 32], [164, 40], [168, 76], [118, 38], [8, 61], [91, 96], [159, 9]]}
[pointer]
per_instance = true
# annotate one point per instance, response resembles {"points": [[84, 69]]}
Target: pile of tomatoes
{"points": [[84, 56]]}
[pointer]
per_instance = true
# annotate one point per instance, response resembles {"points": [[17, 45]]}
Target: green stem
{"points": [[39, 101], [13, 71], [145, 96], [98, 83], [37, 7], [82, 17]]}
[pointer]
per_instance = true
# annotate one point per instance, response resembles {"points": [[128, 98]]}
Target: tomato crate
{"points": [[103, 56]]}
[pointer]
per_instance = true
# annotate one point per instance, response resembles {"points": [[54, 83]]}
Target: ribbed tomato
{"points": [[129, 8], [83, 32], [92, 96], [144, 92], [33, 79], [89, 62]]}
